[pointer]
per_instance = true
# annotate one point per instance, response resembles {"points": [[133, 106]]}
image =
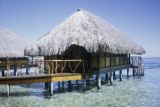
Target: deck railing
{"points": [[45, 66]]}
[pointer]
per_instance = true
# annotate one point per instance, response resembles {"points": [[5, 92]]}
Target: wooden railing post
{"points": [[8, 69]]}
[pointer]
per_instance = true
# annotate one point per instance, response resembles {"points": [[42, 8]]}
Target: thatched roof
{"points": [[87, 30], [11, 45]]}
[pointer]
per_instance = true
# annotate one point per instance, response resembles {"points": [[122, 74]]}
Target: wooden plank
{"points": [[24, 80], [41, 78], [67, 78]]}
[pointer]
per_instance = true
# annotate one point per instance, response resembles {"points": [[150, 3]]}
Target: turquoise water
{"points": [[132, 92]]}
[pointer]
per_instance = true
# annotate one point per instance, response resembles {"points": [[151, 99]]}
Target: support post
{"points": [[120, 75], [62, 85], [8, 90], [27, 70], [69, 86], [111, 79], [46, 85], [15, 70], [88, 82], [133, 71], [127, 72], [129, 59], [114, 75], [106, 78], [3, 73], [51, 88], [77, 83], [98, 79], [59, 86], [84, 85]]}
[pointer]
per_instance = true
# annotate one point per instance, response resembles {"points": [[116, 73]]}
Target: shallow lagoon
{"points": [[132, 92]]}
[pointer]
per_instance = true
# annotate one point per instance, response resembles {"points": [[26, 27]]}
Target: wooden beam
{"points": [[69, 86], [62, 85], [106, 79], [98, 78], [84, 85], [59, 86], [51, 88], [127, 72], [67, 78], [8, 90], [41, 78], [46, 85], [114, 75], [27, 69], [111, 78], [134, 71], [3, 73], [120, 75], [129, 59]]}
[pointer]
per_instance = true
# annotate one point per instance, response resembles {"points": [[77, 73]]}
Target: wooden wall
{"points": [[108, 60], [93, 61]]}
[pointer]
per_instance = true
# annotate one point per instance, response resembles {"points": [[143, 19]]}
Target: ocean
{"points": [[133, 92]]}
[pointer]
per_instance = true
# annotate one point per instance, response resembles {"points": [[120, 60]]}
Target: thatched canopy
{"points": [[11, 45], [87, 30]]}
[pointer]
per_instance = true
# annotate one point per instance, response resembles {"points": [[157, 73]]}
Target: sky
{"points": [[138, 19]]}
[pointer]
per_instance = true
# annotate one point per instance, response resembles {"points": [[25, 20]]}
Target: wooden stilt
{"points": [[120, 75], [77, 83], [106, 79], [84, 85], [111, 79], [51, 88], [127, 72], [46, 85], [62, 85], [69, 86], [8, 90], [27, 70], [98, 78], [88, 82], [3, 73], [114, 75], [15, 70], [133, 71], [59, 86]]}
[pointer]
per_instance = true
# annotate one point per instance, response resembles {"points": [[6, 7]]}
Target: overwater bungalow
{"points": [[81, 46], [85, 37], [11, 50]]}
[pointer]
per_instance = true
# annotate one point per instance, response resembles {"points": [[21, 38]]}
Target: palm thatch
{"points": [[87, 30], [11, 45]]}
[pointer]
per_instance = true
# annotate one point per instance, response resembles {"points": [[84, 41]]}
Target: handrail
{"points": [[48, 66]]}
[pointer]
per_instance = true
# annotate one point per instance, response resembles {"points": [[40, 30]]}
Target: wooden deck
{"points": [[56, 72], [114, 68], [41, 78]]}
